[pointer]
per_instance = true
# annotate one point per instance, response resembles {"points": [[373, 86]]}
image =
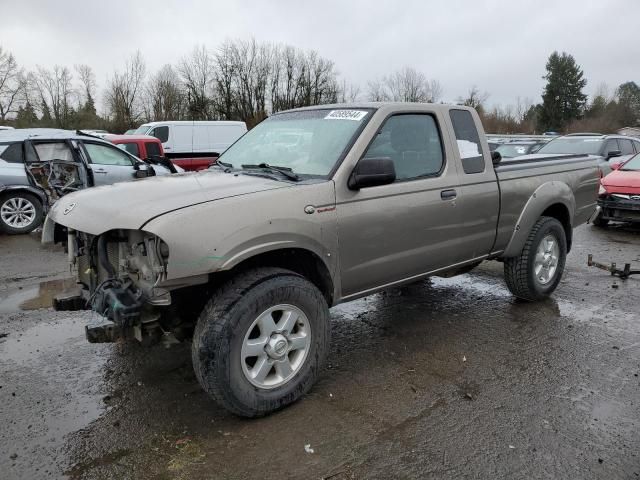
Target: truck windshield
{"points": [[575, 145], [308, 142], [633, 164]]}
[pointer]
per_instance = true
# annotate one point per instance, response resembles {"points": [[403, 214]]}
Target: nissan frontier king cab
{"points": [[311, 208]]}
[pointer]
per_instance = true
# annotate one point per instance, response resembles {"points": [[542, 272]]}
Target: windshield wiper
{"points": [[286, 171], [226, 167]]}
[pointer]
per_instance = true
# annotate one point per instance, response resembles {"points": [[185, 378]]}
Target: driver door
{"points": [[109, 164]]}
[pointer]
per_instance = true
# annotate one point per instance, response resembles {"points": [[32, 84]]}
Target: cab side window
{"points": [[413, 142], [153, 149], [132, 148], [106, 155], [161, 133]]}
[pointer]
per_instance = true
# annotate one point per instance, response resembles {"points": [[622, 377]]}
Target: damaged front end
{"points": [[119, 272]]}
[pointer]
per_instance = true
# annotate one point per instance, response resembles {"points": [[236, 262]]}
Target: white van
{"points": [[194, 145]]}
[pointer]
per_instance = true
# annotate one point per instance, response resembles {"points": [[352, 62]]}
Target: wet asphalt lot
{"points": [[447, 378]]}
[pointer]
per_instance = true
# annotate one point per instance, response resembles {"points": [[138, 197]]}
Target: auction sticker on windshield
{"points": [[356, 115]]}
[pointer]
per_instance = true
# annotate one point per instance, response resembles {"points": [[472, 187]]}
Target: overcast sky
{"points": [[500, 46]]}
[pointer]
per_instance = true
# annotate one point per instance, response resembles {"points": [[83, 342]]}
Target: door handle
{"points": [[448, 194], [99, 171]]}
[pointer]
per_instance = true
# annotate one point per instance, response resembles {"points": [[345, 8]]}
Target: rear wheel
{"points": [[20, 212], [261, 341], [536, 272]]}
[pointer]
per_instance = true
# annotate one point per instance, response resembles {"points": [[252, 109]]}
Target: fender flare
{"points": [[28, 188], [545, 196]]}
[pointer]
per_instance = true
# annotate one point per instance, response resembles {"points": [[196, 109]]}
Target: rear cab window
{"points": [[468, 141]]}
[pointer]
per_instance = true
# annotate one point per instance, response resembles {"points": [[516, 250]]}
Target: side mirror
{"points": [[140, 174], [496, 158], [613, 153], [616, 165], [372, 172]]}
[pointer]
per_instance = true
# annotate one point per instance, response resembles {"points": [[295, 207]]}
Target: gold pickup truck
{"points": [[311, 208]]}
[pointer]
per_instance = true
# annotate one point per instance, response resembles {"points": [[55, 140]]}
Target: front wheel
{"points": [[536, 272], [261, 341]]}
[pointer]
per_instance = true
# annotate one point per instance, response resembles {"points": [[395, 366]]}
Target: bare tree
{"points": [[475, 98], [87, 82], [349, 92], [302, 78], [124, 91], [197, 74], [164, 99], [56, 93], [406, 85], [11, 84]]}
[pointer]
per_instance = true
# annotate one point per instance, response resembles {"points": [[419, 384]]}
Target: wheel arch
{"points": [[4, 189], [297, 259], [551, 199]]}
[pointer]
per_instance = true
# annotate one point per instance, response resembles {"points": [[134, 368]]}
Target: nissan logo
{"points": [[68, 209]]}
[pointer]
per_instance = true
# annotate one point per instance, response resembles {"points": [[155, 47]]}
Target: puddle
{"points": [[34, 297], [58, 384], [40, 340]]}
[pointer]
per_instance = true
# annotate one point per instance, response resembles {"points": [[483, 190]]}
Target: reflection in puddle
{"points": [[34, 297]]}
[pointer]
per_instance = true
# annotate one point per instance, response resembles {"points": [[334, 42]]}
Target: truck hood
{"points": [[129, 205], [622, 181]]}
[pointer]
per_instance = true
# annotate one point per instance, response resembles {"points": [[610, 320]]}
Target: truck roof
{"points": [[131, 138], [196, 122], [385, 105]]}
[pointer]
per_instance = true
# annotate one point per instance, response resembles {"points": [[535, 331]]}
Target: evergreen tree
{"points": [[46, 120], [562, 100], [26, 117], [629, 103]]}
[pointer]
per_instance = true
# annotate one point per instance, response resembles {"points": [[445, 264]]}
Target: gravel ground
{"points": [[447, 378]]}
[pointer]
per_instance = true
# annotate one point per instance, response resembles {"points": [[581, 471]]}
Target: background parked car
{"points": [[146, 147], [619, 198], [515, 149], [194, 145], [610, 148], [38, 166]]}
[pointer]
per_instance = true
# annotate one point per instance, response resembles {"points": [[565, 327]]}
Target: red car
{"points": [[619, 198], [145, 147]]}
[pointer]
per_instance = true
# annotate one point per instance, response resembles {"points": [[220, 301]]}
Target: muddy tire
{"points": [[537, 271], [261, 341], [20, 212], [600, 222]]}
